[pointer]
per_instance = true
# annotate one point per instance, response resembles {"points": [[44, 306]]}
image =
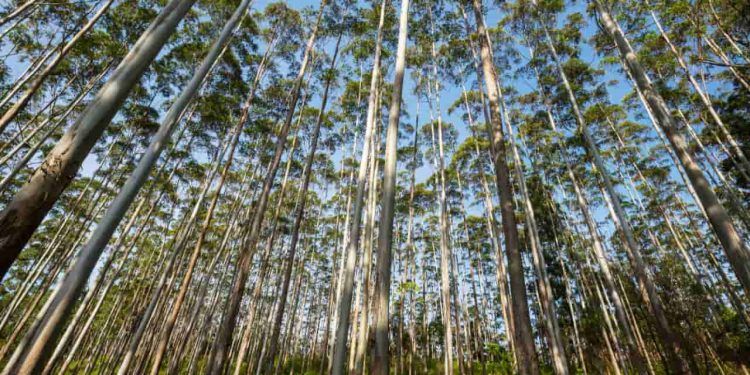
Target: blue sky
{"points": [[450, 93]]}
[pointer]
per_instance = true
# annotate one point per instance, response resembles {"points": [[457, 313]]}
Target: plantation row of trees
{"points": [[452, 186]]}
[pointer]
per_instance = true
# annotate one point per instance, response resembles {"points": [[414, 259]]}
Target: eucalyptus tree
{"points": [[352, 242], [524, 341], [74, 281], [38, 80], [410, 247], [300, 211], [734, 247], [222, 341], [381, 355], [21, 217]]}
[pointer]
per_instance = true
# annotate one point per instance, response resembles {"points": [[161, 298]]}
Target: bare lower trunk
{"points": [[361, 344], [546, 299], [299, 215], [524, 340], [381, 356], [444, 219], [220, 347], [346, 281]]}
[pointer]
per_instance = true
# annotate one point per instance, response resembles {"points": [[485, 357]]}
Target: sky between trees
{"points": [[529, 186]]}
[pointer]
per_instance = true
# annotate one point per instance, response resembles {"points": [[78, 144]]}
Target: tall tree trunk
{"points": [[76, 278], [546, 299], [350, 250], [27, 209], [410, 248], [648, 290], [336, 285], [524, 340], [489, 211], [444, 219], [90, 215], [300, 214], [381, 356], [219, 352], [736, 251], [29, 73], [361, 344]]}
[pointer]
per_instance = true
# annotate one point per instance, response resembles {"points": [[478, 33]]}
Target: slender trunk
{"points": [[410, 248], [524, 340], [336, 286], [15, 24], [444, 219], [264, 266], [14, 110], [198, 304], [220, 347], [90, 215], [735, 249], [489, 210], [445, 251], [17, 11], [92, 314], [102, 273], [28, 207], [381, 357], [299, 215], [364, 325], [29, 73], [346, 281], [546, 299], [742, 162]]}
